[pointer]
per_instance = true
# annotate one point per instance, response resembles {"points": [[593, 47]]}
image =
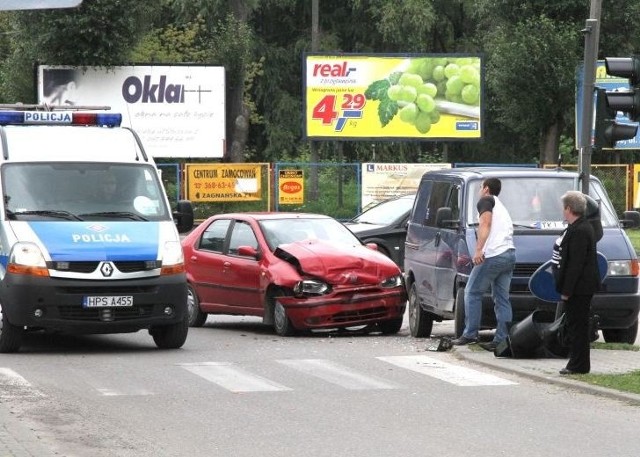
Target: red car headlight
{"points": [[311, 287], [393, 281]]}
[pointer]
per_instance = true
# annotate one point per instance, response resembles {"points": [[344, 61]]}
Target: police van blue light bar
{"points": [[59, 118]]}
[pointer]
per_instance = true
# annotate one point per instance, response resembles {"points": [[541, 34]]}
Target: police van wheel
{"points": [[420, 321], [10, 335], [196, 317], [459, 313], [171, 336]]}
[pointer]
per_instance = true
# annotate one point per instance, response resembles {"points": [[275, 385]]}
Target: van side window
{"points": [[419, 213], [213, 237], [439, 195], [454, 202]]}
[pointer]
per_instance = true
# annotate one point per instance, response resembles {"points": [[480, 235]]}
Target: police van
{"points": [[88, 243]]}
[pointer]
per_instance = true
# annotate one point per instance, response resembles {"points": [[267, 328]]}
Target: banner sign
{"points": [[178, 111], [381, 181], [223, 182], [419, 97], [290, 187]]}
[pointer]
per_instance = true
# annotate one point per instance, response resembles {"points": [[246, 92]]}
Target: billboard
{"points": [[386, 180], [392, 96], [223, 182], [178, 111]]}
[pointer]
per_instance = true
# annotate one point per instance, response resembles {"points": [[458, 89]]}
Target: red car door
{"points": [[241, 274], [206, 264]]}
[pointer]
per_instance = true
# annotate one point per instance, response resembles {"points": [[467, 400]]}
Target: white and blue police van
{"points": [[88, 242]]}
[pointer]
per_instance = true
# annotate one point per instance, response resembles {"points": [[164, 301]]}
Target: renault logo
{"points": [[106, 269]]}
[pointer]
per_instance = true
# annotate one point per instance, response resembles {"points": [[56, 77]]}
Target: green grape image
{"points": [[440, 61], [426, 103], [435, 116], [451, 70], [410, 79], [408, 113], [393, 92], [469, 75], [423, 123], [454, 85], [438, 73], [470, 94], [428, 88], [408, 94], [426, 69]]}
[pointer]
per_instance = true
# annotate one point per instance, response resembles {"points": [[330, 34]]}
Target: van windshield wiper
{"points": [[44, 212], [117, 215]]}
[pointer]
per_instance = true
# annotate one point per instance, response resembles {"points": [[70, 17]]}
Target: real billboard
{"points": [[391, 96], [178, 111]]}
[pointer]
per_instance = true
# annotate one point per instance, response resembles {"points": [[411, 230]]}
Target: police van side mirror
{"points": [[183, 216], [444, 218], [630, 219]]}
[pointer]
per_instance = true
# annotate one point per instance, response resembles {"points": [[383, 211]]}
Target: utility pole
{"points": [[591, 41], [313, 171]]}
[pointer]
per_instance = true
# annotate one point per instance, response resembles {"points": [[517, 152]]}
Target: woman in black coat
{"points": [[577, 279]]}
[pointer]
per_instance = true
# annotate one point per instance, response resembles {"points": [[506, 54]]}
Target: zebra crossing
{"points": [[234, 377]]}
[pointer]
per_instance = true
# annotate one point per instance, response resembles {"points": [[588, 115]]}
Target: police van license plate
{"points": [[107, 301]]}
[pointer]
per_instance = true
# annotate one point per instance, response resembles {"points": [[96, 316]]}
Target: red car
{"points": [[297, 271]]}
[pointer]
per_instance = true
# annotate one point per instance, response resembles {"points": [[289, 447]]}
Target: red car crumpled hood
{"points": [[336, 263]]}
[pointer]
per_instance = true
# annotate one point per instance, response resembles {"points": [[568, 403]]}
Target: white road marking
{"points": [[232, 378], [12, 385], [337, 374], [454, 374]]}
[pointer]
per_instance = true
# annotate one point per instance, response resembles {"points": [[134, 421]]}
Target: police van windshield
{"points": [[535, 202], [82, 191]]}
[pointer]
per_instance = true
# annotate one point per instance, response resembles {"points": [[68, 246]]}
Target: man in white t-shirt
{"points": [[493, 262]]}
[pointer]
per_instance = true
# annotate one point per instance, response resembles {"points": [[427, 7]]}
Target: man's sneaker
{"points": [[463, 341]]}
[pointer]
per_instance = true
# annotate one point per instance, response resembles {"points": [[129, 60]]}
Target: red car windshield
{"points": [[291, 230]]}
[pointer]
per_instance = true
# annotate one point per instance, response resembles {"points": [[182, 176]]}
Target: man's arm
{"points": [[484, 228]]}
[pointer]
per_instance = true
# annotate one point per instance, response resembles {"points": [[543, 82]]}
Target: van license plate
{"points": [[107, 301]]}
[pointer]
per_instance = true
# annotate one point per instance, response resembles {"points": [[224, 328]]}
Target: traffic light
{"points": [[608, 131], [626, 101], [608, 103]]}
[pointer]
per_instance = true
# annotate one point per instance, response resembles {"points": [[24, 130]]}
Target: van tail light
{"points": [[635, 267]]}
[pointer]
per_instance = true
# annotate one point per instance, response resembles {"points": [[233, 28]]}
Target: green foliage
{"points": [[626, 382], [173, 44]]}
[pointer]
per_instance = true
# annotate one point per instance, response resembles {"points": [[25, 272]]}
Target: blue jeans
{"points": [[495, 273]]}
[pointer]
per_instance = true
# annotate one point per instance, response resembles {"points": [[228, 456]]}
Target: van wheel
{"points": [[420, 322], [459, 313], [281, 322], [10, 335], [196, 317], [621, 335], [170, 336], [390, 327]]}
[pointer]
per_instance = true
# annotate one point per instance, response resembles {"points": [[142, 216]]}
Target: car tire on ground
{"points": [[196, 317], [420, 321], [10, 335], [391, 326], [621, 335], [170, 336], [281, 322], [459, 313]]}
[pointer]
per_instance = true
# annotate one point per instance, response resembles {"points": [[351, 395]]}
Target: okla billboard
{"points": [[418, 97], [178, 111]]}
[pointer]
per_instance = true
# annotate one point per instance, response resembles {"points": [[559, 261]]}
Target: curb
{"points": [[628, 397]]}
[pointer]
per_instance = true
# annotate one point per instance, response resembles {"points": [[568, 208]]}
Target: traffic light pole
{"points": [[588, 84]]}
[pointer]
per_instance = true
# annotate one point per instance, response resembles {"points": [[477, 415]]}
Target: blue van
{"points": [[441, 238]]}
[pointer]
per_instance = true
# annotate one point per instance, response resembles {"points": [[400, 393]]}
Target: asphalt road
{"points": [[236, 389]]}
